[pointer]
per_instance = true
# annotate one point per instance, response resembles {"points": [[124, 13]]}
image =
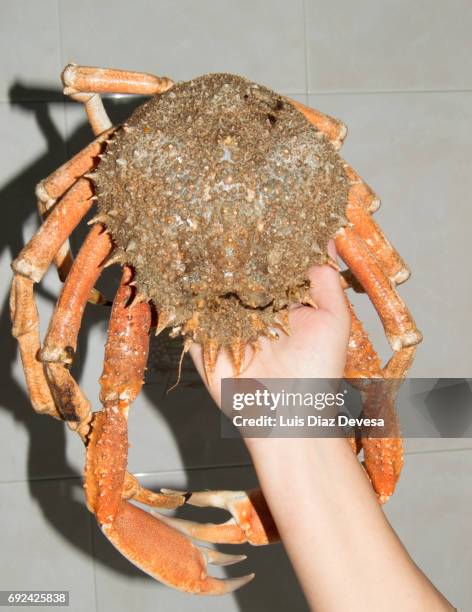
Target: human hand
{"points": [[315, 348]]}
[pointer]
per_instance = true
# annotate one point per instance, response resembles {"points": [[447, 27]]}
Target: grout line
{"points": [[185, 470], [61, 98], [59, 27], [40, 479], [195, 468], [305, 45], [94, 560], [440, 450], [61, 62], [182, 470], [59, 34], [366, 92]]}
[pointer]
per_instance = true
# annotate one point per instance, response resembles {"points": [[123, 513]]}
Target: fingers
{"points": [[195, 352]]}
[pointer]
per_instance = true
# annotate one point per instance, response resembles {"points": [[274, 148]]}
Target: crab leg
{"points": [[24, 315], [383, 457], [126, 354], [56, 184], [132, 489], [85, 83], [332, 128], [128, 345], [369, 231], [89, 79], [360, 193], [61, 340], [29, 267], [362, 360], [151, 545], [398, 323], [96, 113], [35, 258]]}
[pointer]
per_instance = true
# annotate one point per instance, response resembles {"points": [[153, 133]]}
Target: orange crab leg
{"points": [[85, 83], [37, 255], [383, 457], [369, 231], [122, 378], [125, 360], [57, 183], [61, 339], [333, 129], [398, 323], [29, 267], [25, 319], [360, 193], [154, 547], [128, 342], [90, 79], [132, 489], [362, 360]]}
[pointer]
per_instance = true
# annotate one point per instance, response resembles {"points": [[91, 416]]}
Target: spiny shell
{"points": [[221, 195]]}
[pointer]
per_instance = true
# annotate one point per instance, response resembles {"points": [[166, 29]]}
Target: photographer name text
{"points": [[312, 420]]}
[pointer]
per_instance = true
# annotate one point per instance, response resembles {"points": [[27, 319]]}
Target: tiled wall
{"points": [[399, 74]]}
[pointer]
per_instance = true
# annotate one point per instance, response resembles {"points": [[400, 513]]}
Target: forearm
{"points": [[334, 530]]}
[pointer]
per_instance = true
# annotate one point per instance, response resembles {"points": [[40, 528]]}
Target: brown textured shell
{"points": [[221, 195]]}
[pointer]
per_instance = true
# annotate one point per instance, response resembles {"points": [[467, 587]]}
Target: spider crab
{"points": [[203, 196]]}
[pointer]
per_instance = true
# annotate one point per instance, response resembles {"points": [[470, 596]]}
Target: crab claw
{"points": [[215, 557], [251, 519], [167, 555]]}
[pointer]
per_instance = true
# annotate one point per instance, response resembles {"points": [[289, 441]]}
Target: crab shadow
{"points": [[47, 438]]}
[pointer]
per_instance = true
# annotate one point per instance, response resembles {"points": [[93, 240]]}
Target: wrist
{"points": [[283, 450]]}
